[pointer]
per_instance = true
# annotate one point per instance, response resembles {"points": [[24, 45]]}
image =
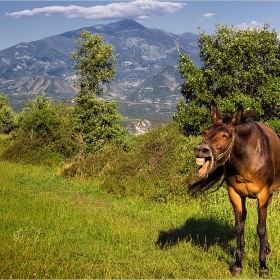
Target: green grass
{"points": [[58, 228]]}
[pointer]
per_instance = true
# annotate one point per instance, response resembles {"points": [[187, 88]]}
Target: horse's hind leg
{"points": [[240, 213], [263, 202]]}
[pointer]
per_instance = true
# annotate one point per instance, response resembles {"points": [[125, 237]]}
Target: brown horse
{"points": [[248, 152]]}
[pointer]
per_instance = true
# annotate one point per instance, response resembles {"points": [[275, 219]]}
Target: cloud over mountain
{"points": [[138, 9]]}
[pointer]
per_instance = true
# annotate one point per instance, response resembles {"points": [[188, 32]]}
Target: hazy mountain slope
{"points": [[146, 56], [163, 86]]}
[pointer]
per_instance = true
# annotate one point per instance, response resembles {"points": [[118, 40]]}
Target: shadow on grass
{"points": [[201, 232]]}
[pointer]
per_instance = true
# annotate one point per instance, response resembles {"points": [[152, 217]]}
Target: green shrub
{"points": [[275, 124], [45, 134], [155, 168]]}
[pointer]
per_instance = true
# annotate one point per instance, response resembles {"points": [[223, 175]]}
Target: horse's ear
{"points": [[214, 113], [237, 116]]}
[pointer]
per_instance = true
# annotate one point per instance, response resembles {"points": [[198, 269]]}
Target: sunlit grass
{"points": [[57, 228]]}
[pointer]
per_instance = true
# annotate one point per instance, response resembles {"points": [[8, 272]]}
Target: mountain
{"points": [[146, 72], [161, 87]]}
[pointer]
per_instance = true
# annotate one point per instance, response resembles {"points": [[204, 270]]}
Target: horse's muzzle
{"points": [[204, 158], [202, 151]]}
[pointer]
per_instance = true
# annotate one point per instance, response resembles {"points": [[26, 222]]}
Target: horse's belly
{"points": [[244, 187]]}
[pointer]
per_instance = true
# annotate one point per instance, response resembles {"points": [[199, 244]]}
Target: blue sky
{"points": [[26, 21]]}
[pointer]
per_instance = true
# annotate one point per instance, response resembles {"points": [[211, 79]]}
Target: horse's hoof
{"points": [[263, 271], [236, 270]]}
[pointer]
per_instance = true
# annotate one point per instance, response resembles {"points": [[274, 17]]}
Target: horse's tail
{"points": [[213, 180]]}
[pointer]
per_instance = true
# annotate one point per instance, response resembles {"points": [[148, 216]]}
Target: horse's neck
{"points": [[242, 146], [250, 141]]}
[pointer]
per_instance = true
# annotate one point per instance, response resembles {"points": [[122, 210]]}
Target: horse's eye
{"points": [[225, 136]]}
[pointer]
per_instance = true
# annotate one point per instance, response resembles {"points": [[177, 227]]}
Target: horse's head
{"points": [[218, 139]]}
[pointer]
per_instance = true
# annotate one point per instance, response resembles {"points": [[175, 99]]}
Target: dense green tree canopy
{"points": [[97, 121], [238, 67]]}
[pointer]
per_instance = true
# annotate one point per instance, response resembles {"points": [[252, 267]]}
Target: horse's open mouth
{"points": [[205, 166]]}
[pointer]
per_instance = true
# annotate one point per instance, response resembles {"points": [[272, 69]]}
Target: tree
{"points": [[95, 63], [239, 67], [7, 115], [97, 121]]}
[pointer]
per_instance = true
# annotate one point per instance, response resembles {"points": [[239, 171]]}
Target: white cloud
{"points": [[208, 15], [250, 25], [136, 9]]}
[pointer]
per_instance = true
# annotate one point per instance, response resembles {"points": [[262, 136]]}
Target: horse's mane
{"points": [[250, 115], [214, 179]]}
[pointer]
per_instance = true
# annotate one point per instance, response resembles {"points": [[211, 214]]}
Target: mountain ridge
{"points": [[143, 54]]}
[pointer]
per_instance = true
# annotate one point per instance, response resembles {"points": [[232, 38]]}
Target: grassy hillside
{"points": [[125, 215]]}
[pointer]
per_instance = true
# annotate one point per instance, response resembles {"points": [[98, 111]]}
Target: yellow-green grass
{"points": [[57, 228]]}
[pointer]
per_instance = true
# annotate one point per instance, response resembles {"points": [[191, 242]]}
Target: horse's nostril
{"points": [[205, 151], [202, 151]]}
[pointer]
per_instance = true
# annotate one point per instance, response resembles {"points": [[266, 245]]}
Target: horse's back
{"points": [[274, 141]]}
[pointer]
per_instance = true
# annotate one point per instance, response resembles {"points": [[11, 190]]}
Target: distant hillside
{"points": [[161, 87], [146, 71]]}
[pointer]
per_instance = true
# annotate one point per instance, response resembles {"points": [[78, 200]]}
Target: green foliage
{"points": [[48, 133], [154, 168], [239, 67], [95, 62], [7, 115], [271, 102], [45, 133], [192, 119], [97, 121]]}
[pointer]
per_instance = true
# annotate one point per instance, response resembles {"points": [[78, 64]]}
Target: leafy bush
{"points": [[156, 168], [45, 134]]}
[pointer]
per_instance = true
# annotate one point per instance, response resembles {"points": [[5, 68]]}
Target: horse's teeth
{"points": [[200, 161]]}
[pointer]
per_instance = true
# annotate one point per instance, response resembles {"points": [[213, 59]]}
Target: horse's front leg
{"points": [[240, 213], [263, 202]]}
